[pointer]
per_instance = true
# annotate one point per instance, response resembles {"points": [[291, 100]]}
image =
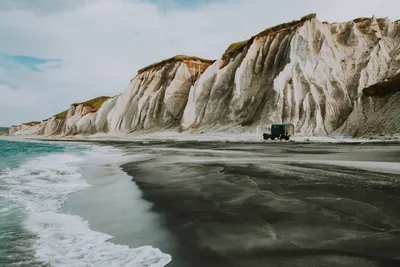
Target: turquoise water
{"points": [[13, 153], [16, 241], [35, 180]]}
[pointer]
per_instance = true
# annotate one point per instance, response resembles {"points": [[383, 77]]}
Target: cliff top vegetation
{"points": [[178, 58]]}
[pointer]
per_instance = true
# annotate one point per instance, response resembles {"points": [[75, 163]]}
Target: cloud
{"points": [[26, 102], [42, 7], [181, 4], [100, 44]]}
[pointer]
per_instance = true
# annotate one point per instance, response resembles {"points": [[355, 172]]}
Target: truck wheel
{"points": [[287, 138], [272, 137]]}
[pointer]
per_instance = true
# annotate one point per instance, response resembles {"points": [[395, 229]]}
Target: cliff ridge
{"points": [[325, 78]]}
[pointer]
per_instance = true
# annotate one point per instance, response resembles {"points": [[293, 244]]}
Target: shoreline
{"points": [[275, 205], [163, 137], [112, 204], [37, 231], [194, 192]]}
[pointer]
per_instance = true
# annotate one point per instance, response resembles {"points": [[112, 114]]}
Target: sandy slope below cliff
{"points": [[208, 137]]}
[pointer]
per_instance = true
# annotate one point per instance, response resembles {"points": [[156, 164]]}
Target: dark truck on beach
{"points": [[280, 131]]}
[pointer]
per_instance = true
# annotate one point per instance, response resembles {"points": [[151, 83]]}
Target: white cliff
{"points": [[154, 100], [156, 97], [309, 73], [81, 118]]}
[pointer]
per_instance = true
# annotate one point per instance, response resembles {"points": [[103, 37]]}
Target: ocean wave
{"points": [[41, 185]]}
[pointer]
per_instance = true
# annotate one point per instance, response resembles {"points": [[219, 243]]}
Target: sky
{"points": [[57, 52]]}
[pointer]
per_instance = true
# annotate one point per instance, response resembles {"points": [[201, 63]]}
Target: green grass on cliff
{"points": [[287, 25], [177, 58], [32, 123], [94, 104], [235, 47], [238, 47], [388, 86], [61, 115]]}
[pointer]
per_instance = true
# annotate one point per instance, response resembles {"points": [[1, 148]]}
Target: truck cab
{"points": [[280, 131]]}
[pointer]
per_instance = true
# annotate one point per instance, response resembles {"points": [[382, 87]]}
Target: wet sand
{"points": [[113, 204], [274, 204]]}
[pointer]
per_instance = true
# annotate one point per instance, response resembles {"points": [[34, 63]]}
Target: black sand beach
{"points": [[113, 205], [235, 204], [275, 204]]}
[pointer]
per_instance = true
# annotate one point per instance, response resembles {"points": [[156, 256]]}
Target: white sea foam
{"points": [[41, 185]]}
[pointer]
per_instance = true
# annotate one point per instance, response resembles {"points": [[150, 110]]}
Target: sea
{"points": [[36, 178]]}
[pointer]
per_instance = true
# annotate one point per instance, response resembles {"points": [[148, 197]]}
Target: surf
{"points": [[37, 189]]}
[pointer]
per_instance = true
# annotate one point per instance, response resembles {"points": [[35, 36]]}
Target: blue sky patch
{"points": [[30, 62]]}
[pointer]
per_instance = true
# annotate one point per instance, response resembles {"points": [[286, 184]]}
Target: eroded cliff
{"points": [[154, 100], [307, 72], [386, 120], [79, 118], [321, 77]]}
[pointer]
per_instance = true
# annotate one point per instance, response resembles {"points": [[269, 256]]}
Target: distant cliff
{"points": [[324, 77], [77, 119], [155, 99], [3, 131]]}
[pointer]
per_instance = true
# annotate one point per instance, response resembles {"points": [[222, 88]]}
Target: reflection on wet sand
{"points": [[273, 205]]}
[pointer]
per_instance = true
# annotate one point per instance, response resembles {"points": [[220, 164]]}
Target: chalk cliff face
{"points": [[155, 99], [309, 73], [81, 118]]}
